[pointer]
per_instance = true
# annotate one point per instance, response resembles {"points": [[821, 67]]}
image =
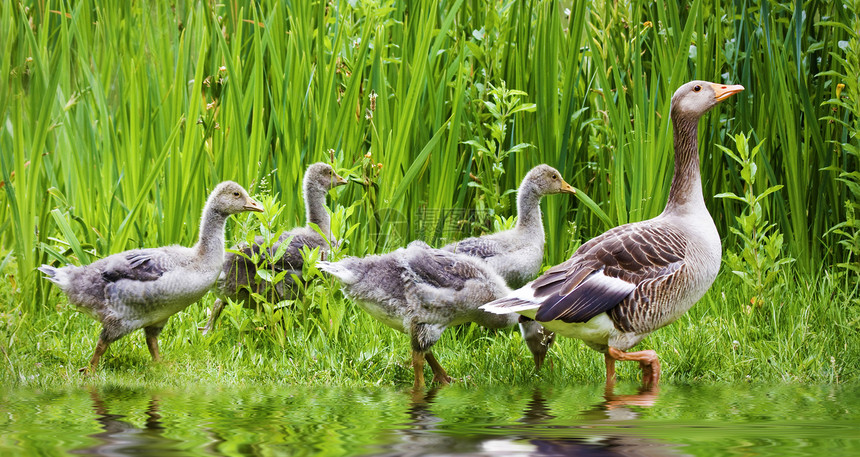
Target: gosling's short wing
{"points": [[292, 258], [441, 269], [138, 265], [475, 247]]}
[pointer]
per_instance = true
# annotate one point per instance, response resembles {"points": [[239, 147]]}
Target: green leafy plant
{"points": [[845, 112], [761, 259], [490, 151]]}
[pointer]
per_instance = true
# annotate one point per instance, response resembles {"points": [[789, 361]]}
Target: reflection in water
{"points": [[537, 411], [426, 434], [458, 420], [422, 434], [122, 438], [613, 408], [617, 407]]}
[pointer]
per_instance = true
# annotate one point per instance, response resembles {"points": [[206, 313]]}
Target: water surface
{"points": [[698, 420]]}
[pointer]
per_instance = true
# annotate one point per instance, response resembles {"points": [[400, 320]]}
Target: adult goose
{"points": [[633, 279], [142, 288], [517, 254], [239, 273], [422, 291]]}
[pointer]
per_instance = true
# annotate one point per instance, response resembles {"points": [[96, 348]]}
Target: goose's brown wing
{"points": [[606, 270]]}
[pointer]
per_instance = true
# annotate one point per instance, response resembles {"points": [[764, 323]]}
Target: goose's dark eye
{"points": [[697, 88], [235, 194], [554, 176]]}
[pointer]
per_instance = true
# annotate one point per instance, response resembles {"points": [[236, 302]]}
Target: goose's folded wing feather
{"points": [[138, 265], [441, 269], [475, 247], [292, 258], [606, 270]]}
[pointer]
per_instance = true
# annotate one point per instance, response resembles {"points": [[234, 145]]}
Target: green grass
{"points": [[808, 335], [115, 122]]}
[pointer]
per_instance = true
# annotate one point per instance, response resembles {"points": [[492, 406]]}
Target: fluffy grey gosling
{"points": [[422, 291], [239, 274], [517, 254], [142, 288]]}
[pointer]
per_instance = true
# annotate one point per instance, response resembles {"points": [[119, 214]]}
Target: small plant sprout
{"points": [[760, 259]]}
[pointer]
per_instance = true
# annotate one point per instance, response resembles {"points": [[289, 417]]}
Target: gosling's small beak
{"points": [[539, 357], [722, 91], [339, 180], [567, 188], [253, 205]]}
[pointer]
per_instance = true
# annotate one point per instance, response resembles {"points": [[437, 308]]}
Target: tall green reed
{"points": [[122, 118]]}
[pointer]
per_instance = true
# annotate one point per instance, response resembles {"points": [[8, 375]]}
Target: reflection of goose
{"points": [[603, 443], [618, 407], [610, 446], [421, 434], [539, 432], [537, 411], [121, 438]]}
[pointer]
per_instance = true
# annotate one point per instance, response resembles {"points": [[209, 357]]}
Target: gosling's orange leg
{"points": [[217, 307], [152, 333], [152, 344], [648, 362], [101, 347], [439, 374], [418, 368]]}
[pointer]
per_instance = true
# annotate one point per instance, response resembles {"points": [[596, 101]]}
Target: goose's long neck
{"points": [[528, 211], [315, 209], [210, 244], [685, 195]]}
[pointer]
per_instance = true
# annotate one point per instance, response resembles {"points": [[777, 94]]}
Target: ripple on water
{"points": [[708, 420]]}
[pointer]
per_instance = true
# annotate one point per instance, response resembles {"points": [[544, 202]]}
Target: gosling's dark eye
{"points": [[554, 176], [235, 194], [697, 88]]}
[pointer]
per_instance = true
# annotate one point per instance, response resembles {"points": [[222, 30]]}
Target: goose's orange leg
{"points": [[101, 347], [418, 368], [152, 333], [648, 362], [610, 370], [439, 374]]}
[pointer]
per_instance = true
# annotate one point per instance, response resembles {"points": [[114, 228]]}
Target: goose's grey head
{"points": [[323, 177], [230, 198], [695, 98], [537, 338], [547, 180]]}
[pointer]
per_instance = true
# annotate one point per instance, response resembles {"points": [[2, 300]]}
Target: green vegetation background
{"points": [[118, 119]]}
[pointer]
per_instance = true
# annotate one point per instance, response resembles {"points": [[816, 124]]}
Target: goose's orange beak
{"points": [[253, 205], [722, 91], [567, 188]]}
